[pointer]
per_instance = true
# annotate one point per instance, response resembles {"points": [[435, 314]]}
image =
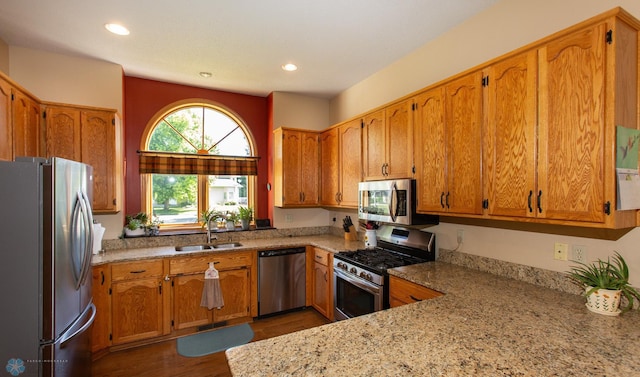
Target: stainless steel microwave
{"points": [[391, 201]]}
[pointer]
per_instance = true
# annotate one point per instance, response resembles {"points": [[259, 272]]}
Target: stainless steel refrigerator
{"points": [[46, 237]]}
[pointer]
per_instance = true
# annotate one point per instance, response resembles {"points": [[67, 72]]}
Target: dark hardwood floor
{"points": [[162, 360]]}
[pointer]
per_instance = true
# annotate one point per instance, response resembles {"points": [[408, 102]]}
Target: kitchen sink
{"points": [[229, 245], [193, 247]]}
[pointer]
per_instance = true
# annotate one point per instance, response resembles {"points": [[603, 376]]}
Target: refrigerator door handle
{"points": [[66, 337], [81, 230], [88, 251]]}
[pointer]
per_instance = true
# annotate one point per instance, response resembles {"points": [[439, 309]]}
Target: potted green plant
{"points": [[135, 224], [246, 215], [604, 283], [153, 226], [231, 218]]}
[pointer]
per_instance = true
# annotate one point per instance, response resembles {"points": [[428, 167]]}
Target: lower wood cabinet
{"points": [[322, 282], [101, 288], [138, 301], [402, 292]]}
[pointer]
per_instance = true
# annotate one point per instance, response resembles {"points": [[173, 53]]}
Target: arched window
{"points": [[195, 157]]}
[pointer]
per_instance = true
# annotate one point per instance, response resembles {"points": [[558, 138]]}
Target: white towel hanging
{"points": [[211, 292]]}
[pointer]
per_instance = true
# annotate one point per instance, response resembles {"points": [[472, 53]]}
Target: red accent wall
{"points": [[144, 98]]}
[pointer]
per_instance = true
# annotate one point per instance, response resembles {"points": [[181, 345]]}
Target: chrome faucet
{"points": [[209, 237]]}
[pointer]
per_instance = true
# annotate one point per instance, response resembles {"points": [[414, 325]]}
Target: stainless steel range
{"points": [[360, 277]]}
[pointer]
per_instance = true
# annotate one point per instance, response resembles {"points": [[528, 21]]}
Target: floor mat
{"points": [[214, 341]]}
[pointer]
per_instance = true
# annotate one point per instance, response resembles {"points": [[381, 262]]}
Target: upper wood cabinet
{"points": [[510, 168], [341, 164], [6, 127], [28, 138], [91, 136], [296, 168], [19, 123], [448, 147], [388, 142]]}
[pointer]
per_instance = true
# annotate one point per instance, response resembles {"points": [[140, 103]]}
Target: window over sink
{"points": [[196, 156]]}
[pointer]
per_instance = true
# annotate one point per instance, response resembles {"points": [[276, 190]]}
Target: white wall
{"points": [[508, 25], [72, 80], [4, 57], [300, 111]]}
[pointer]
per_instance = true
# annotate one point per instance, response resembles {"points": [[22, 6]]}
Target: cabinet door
{"points": [[136, 310], [26, 125], [350, 135], [403, 292], [464, 132], [6, 132], [572, 126], [187, 294], [309, 169], [329, 172], [291, 167], [373, 136], [399, 140], [98, 150], [101, 329], [431, 151], [63, 133], [235, 286], [510, 142]]}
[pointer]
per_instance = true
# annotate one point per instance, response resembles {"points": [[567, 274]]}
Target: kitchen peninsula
{"points": [[484, 325]]}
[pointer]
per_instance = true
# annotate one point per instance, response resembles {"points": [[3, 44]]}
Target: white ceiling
{"points": [[243, 43]]}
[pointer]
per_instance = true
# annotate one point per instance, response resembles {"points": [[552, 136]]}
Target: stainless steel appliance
{"points": [[360, 277], [281, 280], [391, 201], [45, 266]]}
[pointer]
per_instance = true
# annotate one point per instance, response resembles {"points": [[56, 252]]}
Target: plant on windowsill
{"points": [[135, 224], [605, 282], [231, 218], [246, 215]]}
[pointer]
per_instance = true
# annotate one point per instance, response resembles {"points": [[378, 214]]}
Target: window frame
{"points": [[146, 180]]}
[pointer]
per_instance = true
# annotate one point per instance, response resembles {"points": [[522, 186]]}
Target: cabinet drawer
{"points": [[136, 270], [226, 261], [408, 292], [321, 256]]}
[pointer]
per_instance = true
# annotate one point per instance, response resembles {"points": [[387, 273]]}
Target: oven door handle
{"points": [[365, 285], [393, 204]]}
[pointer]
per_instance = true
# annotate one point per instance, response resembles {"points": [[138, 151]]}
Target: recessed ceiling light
{"points": [[117, 29], [289, 67], [206, 75]]}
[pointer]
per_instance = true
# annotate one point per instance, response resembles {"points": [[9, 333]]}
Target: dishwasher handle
{"points": [[280, 252]]}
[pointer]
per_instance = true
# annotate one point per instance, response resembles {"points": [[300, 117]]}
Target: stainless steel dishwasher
{"points": [[281, 280]]}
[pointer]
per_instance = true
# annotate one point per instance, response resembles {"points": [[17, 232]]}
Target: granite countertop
{"points": [[484, 325], [327, 242]]}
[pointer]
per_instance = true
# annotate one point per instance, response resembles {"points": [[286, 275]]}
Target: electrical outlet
{"points": [[561, 251], [288, 218], [579, 253], [460, 235]]}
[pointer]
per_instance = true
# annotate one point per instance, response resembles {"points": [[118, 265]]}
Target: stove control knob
{"points": [[353, 270], [366, 276], [342, 266]]}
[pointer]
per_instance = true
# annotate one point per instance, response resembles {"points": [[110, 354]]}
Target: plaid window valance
{"points": [[181, 163]]}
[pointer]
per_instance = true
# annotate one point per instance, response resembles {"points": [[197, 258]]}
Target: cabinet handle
{"points": [[160, 289], [167, 278], [337, 197], [102, 275], [540, 201], [529, 201], [318, 257], [414, 299], [442, 199], [382, 169], [137, 271], [325, 276], [447, 199]]}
